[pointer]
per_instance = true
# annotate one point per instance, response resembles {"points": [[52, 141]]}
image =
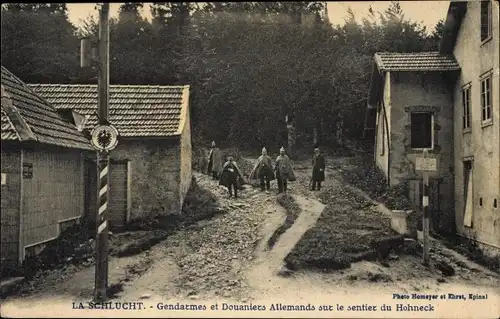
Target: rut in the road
{"points": [[292, 213]]}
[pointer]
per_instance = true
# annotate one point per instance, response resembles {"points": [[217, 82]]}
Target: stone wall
{"points": [[414, 92], [155, 173]]}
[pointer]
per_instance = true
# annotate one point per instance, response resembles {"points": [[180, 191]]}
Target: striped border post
{"points": [[425, 206], [101, 270]]}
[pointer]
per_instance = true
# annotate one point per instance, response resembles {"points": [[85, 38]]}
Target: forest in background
{"points": [[248, 63]]}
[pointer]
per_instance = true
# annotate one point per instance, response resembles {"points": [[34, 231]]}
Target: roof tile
{"points": [[8, 131], [42, 119], [135, 110], [422, 61]]}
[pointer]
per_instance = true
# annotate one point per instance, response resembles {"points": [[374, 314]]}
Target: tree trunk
{"points": [[319, 131], [339, 131], [291, 137]]}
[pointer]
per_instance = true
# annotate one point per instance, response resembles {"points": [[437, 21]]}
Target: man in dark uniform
{"points": [[318, 173], [230, 175]]}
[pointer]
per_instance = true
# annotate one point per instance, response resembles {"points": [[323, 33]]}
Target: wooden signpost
{"points": [[425, 165]]}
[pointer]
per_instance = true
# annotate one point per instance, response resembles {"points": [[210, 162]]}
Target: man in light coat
{"points": [[263, 170], [214, 162], [284, 171]]}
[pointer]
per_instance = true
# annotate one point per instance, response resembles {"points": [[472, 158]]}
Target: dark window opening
{"points": [[466, 121], [480, 201], [421, 130], [485, 19], [495, 203]]}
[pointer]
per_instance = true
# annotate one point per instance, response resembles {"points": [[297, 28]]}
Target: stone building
{"points": [[446, 102], [150, 170]]}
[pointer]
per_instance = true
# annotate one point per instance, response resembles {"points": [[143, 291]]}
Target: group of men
{"points": [[229, 175]]}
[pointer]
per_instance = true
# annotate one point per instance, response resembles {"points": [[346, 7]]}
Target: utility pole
{"points": [[102, 245], [104, 138]]}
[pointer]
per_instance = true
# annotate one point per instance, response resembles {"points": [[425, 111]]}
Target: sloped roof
{"points": [[8, 131], [135, 110], [422, 61], [28, 117]]}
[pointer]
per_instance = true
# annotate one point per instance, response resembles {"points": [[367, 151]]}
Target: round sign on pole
{"points": [[104, 137]]}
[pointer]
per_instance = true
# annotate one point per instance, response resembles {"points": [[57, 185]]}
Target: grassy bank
{"points": [[348, 230], [366, 176]]}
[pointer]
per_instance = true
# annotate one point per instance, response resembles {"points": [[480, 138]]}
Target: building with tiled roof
{"points": [[33, 119], [150, 172], [446, 103], [135, 110], [42, 171], [421, 61]]}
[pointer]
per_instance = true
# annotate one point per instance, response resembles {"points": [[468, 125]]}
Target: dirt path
{"points": [[253, 274], [225, 258], [263, 276]]}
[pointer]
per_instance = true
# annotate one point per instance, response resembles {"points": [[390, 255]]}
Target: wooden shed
{"points": [[150, 170], [42, 172]]}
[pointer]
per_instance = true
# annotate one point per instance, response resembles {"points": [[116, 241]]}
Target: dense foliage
{"points": [[248, 63]]}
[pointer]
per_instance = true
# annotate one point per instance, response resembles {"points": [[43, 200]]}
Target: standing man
{"points": [[284, 171], [230, 175], [263, 170], [214, 162], [318, 173]]}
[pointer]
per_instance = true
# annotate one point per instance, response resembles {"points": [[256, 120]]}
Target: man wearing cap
{"points": [[284, 171], [214, 162], [230, 175], [318, 173], [263, 170]]}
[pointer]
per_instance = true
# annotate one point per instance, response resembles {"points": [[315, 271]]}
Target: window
{"points": [[486, 99], [468, 193], [466, 107], [421, 130], [485, 20]]}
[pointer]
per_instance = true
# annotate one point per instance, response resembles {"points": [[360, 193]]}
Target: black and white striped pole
{"points": [[102, 246], [425, 204], [425, 207], [426, 165], [104, 138]]}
